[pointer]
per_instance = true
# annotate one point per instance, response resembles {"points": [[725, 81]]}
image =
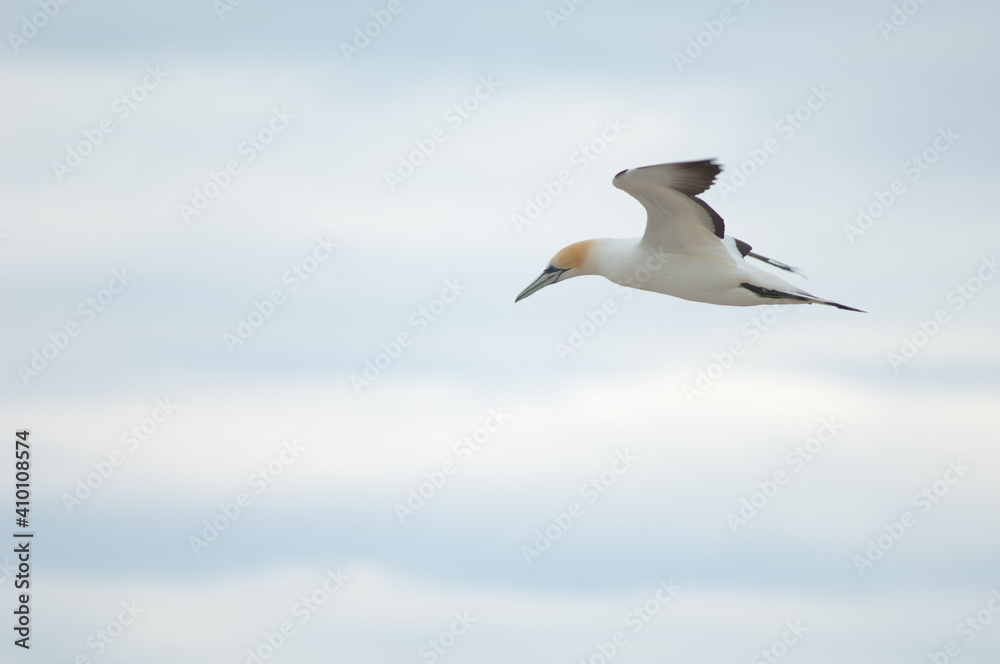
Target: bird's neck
{"points": [[609, 256]]}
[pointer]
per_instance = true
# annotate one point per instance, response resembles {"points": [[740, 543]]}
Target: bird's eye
{"points": [[551, 268]]}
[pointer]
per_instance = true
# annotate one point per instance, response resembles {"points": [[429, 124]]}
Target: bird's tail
{"points": [[801, 296], [818, 300]]}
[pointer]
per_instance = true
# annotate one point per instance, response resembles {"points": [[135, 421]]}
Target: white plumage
{"points": [[684, 251]]}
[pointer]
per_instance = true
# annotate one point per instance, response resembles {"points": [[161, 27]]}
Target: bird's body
{"points": [[684, 251], [705, 278]]}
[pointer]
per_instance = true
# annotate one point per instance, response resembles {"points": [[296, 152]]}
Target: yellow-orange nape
{"points": [[573, 256]]}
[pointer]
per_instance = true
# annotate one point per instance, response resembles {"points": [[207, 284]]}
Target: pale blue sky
{"points": [[277, 71]]}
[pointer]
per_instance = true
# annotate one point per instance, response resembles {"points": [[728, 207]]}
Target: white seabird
{"points": [[684, 252]]}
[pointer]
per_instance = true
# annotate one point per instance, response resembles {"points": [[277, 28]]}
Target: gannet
{"points": [[684, 252]]}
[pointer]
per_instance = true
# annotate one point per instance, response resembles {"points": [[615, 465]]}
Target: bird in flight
{"points": [[684, 252]]}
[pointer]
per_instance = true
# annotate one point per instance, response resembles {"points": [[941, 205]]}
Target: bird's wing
{"points": [[677, 221]]}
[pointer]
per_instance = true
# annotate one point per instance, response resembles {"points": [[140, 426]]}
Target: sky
{"points": [[258, 264]]}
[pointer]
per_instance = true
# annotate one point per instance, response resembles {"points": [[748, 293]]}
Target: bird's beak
{"points": [[550, 276]]}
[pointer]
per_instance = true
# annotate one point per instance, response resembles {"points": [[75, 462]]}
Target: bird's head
{"points": [[570, 262]]}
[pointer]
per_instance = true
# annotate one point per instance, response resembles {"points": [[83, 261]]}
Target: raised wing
{"points": [[676, 220]]}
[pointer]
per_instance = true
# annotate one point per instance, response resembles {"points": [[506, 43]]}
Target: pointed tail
{"points": [[830, 303], [801, 296]]}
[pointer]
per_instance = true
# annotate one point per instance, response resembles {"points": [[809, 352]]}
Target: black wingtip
{"points": [[772, 262]]}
